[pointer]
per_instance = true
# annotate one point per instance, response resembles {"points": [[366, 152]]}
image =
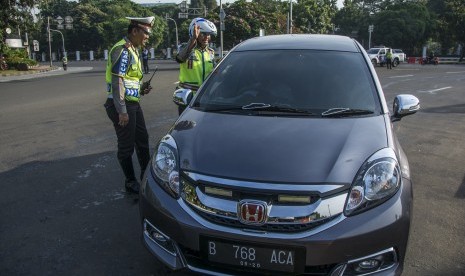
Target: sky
{"points": [[339, 2]]}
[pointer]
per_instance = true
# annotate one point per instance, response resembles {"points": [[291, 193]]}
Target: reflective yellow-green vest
{"points": [[131, 80], [197, 67]]}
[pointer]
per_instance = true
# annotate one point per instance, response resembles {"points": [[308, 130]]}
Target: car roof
{"points": [[299, 42]]}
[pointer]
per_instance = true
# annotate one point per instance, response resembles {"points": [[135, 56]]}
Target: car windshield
{"points": [[303, 82], [373, 51]]}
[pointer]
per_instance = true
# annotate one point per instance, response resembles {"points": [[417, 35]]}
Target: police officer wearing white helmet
{"points": [[123, 78], [196, 59]]}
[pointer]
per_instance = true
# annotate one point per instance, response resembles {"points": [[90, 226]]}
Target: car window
{"points": [[304, 79], [373, 51]]}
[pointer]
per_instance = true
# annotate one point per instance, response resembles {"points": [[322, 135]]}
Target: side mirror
{"points": [[182, 96], [404, 105]]}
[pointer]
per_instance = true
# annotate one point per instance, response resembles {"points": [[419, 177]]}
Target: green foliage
{"points": [[98, 24], [16, 56], [15, 14], [455, 16], [402, 26], [314, 16]]}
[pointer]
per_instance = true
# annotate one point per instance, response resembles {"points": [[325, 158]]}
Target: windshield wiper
{"points": [[345, 111], [263, 107], [253, 106]]}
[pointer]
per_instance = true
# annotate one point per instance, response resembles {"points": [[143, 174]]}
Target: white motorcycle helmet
{"points": [[206, 26]]}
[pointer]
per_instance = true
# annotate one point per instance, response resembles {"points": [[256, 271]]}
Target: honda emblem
{"points": [[252, 212]]}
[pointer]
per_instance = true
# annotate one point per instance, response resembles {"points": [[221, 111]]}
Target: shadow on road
{"points": [[456, 108], [461, 191], [71, 217]]}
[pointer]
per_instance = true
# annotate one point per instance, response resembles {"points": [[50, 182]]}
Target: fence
{"points": [[442, 60]]}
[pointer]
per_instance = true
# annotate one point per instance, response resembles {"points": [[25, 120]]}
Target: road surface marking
{"points": [[403, 76], [433, 91], [458, 72]]}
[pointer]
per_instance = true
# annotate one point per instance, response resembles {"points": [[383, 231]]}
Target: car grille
{"points": [[221, 207], [278, 227]]}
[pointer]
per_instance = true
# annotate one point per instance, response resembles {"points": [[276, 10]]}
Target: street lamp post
{"points": [[49, 40], [222, 16], [176, 27], [62, 39], [60, 21], [290, 18], [370, 30]]}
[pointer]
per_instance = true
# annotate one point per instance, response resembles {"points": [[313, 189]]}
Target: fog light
{"points": [[377, 262], [159, 238]]}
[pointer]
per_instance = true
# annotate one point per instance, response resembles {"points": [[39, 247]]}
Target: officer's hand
{"points": [[123, 119], [146, 90], [196, 31]]}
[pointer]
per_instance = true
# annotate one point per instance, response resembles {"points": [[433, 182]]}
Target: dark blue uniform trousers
{"points": [[132, 136]]}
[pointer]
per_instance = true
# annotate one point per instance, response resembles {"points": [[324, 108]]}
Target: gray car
{"points": [[284, 162]]}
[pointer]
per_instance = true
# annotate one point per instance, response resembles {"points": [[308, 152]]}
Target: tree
{"points": [[350, 19], [245, 19], [15, 15], [455, 16], [403, 25], [314, 16], [97, 24]]}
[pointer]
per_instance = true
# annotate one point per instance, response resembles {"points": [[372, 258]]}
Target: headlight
{"points": [[165, 165], [377, 180]]}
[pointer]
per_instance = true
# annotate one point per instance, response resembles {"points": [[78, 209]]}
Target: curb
{"points": [[29, 72]]}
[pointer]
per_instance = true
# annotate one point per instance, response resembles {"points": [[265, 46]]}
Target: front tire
{"points": [[395, 62]]}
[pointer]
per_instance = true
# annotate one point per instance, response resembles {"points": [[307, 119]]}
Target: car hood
{"points": [[277, 149]]}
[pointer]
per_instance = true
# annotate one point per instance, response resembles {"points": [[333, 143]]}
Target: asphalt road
{"points": [[63, 209]]}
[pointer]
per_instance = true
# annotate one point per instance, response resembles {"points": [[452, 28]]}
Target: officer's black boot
{"points": [[130, 183]]}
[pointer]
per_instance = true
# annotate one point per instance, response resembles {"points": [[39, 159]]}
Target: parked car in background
{"points": [[285, 161], [378, 56], [401, 55]]}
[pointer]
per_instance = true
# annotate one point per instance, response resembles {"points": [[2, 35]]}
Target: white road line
{"points": [[404, 76], [458, 72], [433, 91]]}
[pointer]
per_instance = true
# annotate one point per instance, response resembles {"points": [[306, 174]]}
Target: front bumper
{"points": [[173, 235]]}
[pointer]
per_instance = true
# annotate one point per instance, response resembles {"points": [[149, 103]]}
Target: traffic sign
{"points": [[68, 19], [36, 45], [59, 19], [222, 14], [183, 7]]}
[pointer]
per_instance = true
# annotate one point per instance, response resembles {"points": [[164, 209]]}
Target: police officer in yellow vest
{"points": [[123, 77], [196, 59]]}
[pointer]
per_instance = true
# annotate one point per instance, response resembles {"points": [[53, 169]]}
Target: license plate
{"points": [[253, 256]]}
